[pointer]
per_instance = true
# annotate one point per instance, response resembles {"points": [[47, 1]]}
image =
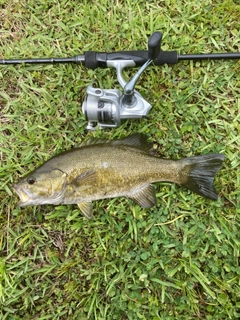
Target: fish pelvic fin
{"points": [[201, 172], [86, 208], [145, 196]]}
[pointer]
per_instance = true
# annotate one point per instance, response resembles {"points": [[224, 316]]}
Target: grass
{"points": [[179, 260]]}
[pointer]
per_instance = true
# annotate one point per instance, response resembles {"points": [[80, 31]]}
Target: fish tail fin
{"points": [[201, 172]]}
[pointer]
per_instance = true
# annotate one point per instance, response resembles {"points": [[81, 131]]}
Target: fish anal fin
{"points": [[145, 197], [86, 208]]}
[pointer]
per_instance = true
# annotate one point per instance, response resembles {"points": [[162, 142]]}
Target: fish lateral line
{"points": [[123, 167]]}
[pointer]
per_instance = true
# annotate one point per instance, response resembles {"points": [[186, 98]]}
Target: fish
{"points": [[119, 168]]}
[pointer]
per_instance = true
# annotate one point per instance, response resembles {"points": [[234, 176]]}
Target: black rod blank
{"points": [[77, 59], [210, 56], [139, 57]]}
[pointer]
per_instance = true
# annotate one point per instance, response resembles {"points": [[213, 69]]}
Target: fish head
{"points": [[41, 187]]}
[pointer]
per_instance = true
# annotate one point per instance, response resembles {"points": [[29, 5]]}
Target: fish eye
{"points": [[31, 180]]}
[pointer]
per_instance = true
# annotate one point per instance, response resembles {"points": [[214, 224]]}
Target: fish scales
{"points": [[118, 171], [123, 167]]}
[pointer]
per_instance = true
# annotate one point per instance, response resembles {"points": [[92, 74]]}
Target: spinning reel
{"points": [[106, 107]]}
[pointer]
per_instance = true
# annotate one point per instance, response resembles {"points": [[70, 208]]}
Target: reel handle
{"points": [[154, 44], [129, 98]]}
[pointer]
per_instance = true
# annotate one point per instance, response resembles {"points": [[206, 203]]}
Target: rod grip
{"points": [[168, 57], [93, 59]]}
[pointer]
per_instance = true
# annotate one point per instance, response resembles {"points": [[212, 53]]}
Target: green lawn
{"points": [[179, 260]]}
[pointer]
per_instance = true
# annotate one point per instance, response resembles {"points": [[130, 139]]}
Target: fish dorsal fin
{"points": [[86, 208], [92, 141], [145, 197], [137, 140], [86, 179]]}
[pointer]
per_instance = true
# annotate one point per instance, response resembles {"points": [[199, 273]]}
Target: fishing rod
{"points": [[106, 107]]}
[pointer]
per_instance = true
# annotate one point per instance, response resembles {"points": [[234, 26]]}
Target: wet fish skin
{"points": [[116, 168]]}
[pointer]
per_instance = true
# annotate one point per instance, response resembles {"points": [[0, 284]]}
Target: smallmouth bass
{"points": [[117, 168]]}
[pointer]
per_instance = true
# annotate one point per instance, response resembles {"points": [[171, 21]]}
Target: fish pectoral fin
{"points": [[145, 197], [86, 178], [86, 208]]}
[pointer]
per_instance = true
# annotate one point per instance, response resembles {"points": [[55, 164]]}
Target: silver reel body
{"points": [[105, 108]]}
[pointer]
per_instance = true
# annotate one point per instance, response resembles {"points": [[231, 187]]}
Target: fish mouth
{"points": [[24, 197]]}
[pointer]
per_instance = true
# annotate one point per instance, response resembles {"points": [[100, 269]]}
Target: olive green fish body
{"points": [[116, 171], [119, 168]]}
